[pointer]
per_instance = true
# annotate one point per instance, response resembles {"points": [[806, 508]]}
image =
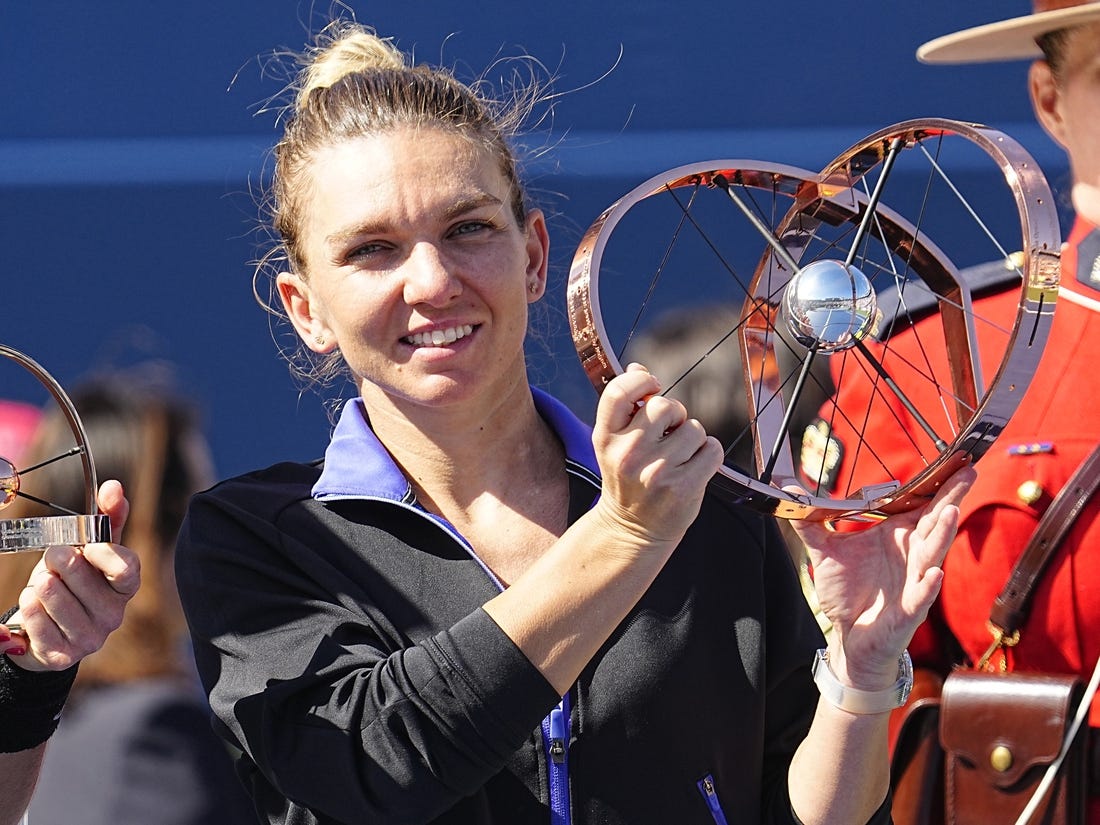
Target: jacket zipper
{"points": [[710, 796], [555, 735], [555, 727]]}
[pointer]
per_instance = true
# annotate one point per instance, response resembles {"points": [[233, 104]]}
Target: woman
{"points": [[476, 609], [135, 745]]}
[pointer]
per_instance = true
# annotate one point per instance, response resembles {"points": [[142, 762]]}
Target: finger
{"points": [[689, 442], [623, 396], [659, 417], [80, 598], [951, 494], [920, 593], [10, 640], [112, 502], [49, 645], [63, 570], [958, 484], [812, 534], [115, 565], [934, 546]]}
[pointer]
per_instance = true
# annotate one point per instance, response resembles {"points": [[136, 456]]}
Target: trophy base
{"points": [[29, 534]]}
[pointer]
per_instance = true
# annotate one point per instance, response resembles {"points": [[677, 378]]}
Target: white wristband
{"points": [[854, 700]]}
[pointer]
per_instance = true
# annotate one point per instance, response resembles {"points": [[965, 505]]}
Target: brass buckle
{"points": [[1000, 640]]}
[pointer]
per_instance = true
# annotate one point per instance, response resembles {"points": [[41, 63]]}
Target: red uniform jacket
{"points": [[1055, 427]]}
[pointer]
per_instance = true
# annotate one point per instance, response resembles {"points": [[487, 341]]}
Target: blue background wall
{"points": [[129, 143]]}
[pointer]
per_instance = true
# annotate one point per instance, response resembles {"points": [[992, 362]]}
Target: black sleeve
{"points": [[304, 681], [30, 702]]}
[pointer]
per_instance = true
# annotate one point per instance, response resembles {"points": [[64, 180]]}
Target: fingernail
{"points": [[15, 651]]}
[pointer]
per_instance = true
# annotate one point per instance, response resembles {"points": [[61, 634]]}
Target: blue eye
{"points": [[363, 251], [469, 227]]}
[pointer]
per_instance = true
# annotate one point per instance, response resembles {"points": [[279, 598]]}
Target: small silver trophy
{"points": [[63, 526]]}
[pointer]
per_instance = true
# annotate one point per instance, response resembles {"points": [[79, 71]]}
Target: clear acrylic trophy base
{"points": [[28, 534]]}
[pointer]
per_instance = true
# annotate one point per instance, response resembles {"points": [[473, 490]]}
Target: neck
{"points": [[454, 454]]}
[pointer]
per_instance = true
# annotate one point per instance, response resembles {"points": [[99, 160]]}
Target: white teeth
{"points": [[439, 337]]}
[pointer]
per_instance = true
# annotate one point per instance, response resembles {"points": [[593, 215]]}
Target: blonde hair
{"points": [[352, 83]]}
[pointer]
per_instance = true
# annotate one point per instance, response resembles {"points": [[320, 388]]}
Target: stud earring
{"points": [[320, 339], [534, 287]]}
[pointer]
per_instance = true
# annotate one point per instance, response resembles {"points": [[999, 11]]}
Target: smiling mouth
{"points": [[438, 337]]}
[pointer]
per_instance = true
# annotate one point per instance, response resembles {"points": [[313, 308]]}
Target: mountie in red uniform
{"points": [[1055, 427]]}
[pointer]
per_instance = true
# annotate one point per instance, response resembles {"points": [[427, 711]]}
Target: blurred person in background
{"points": [[135, 745]]}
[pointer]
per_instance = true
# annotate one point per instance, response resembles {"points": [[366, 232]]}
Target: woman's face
{"points": [[416, 268]]}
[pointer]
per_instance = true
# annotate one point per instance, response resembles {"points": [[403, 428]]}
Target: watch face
{"points": [[905, 677]]}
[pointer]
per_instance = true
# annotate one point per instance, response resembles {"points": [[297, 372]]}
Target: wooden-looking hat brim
{"points": [[1004, 40]]}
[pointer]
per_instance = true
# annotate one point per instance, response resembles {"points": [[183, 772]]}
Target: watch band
{"points": [[854, 700]]}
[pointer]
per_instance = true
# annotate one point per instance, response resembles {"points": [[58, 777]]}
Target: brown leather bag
{"points": [[974, 747], [1000, 732]]}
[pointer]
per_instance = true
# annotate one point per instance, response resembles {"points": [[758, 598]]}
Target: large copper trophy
{"points": [[822, 274]]}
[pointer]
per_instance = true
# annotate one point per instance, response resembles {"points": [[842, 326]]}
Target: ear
{"points": [[304, 312], [1046, 100], [538, 254]]}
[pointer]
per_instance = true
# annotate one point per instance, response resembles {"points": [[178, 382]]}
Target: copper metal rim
{"points": [[832, 196]]}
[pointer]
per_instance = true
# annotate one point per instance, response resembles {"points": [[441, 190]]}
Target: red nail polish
{"points": [[15, 651]]}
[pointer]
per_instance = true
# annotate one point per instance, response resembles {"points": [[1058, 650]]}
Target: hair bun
{"points": [[348, 50]]}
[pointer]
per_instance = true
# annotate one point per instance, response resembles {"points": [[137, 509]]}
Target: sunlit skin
{"points": [[409, 235], [1068, 106]]}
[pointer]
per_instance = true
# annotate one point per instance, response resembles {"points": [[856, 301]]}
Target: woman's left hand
{"points": [[876, 585]]}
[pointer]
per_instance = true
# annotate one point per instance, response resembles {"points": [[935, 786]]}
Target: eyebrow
{"points": [[459, 207]]}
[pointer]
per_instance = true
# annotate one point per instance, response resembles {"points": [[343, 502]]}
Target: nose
{"points": [[430, 277]]}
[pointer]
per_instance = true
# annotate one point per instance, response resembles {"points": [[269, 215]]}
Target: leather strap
{"points": [[1010, 608]]}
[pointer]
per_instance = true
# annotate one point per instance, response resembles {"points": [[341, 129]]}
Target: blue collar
{"points": [[358, 466]]}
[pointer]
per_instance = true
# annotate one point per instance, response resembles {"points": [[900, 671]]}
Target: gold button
{"points": [[1030, 492], [1000, 759]]}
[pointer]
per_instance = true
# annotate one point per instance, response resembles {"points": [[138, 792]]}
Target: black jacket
{"points": [[345, 652]]}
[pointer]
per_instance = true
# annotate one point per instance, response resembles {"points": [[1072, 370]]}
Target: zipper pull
{"points": [[707, 786], [557, 735], [710, 796]]}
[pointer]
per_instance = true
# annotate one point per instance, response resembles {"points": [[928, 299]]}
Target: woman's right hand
{"points": [[655, 461]]}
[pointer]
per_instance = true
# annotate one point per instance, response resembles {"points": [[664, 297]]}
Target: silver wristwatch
{"points": [[854, 700]]}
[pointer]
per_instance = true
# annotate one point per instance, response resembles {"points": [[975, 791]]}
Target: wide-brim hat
{"points": [[1012, 39]]}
